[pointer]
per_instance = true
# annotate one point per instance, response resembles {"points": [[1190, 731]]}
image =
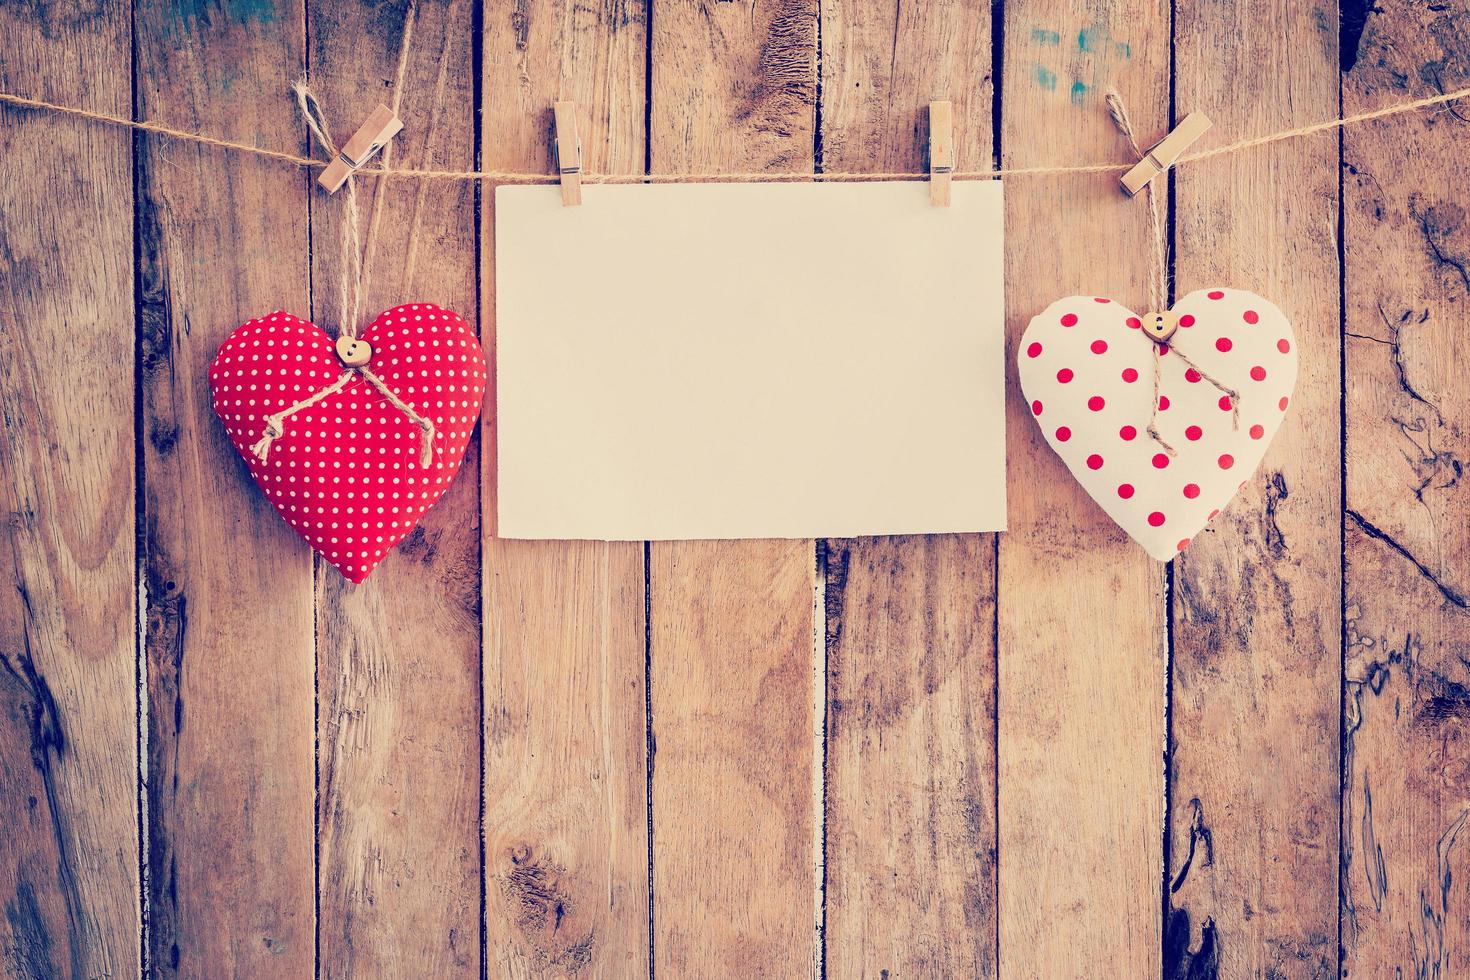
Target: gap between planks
{"points": [[819, 744]]}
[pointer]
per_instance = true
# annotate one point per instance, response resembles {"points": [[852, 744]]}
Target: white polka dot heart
{"points": [[352, 444], [1087, 371]]}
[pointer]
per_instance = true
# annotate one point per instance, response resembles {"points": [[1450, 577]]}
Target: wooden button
{"points": [[1161, 326], [353, 351]]}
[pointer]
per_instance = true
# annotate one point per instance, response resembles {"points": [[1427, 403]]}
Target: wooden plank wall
{"points": [[910, 644], [69, 737], [1018, 755], [1406, 249], [1256, 601], [565, 716], [229, 641], [398, 666], [1081, 618], [731, 624]]}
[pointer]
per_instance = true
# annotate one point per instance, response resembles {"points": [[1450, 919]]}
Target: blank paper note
{"points": [[749, 361]]}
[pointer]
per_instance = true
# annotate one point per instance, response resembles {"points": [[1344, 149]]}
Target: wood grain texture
{"points": [[733, 861], [1406, 745], [910, 729], [1257, 597], [68, 644], [398, 659], [731, 623], [981, 816], [222, 238], [566, 778], [1081, 628], [910, 829]]}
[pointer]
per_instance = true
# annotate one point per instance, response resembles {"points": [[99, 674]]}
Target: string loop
{"points": [[1159, 283], [1159, 289], [356, 262], [275, 425]]}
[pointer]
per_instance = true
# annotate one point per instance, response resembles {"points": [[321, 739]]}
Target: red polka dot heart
{"points": [[348, 471], [1086, 368]]}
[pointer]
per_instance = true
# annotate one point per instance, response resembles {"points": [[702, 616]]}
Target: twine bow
{"points": [[1159, 288], [275, 425]]}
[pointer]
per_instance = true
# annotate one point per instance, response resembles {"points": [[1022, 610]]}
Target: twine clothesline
{"points": [[526, 177], [357, 255]]}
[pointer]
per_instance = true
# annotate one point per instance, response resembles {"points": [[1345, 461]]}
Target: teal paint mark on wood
{"points": [[1088, 37], [1096, 39], [209, 12], [1046, 78], [1049, 38], [1079, 93], [188, 18]]}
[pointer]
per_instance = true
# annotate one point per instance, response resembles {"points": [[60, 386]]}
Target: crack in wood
{"points": [[1276, 492], [48, 744], [1200, 839], [1431, 961], [1375, 870], [1450, 595], [1395, 345], [1436, 222]]}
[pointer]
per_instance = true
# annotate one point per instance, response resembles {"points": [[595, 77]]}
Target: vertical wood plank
{"points": [[1257, 597], [222, 238], [911, 757], [731, 627], [68, 652], [565, 721], [1081, 697], [398, 659], [733, 871], [1406, 785], [910, 821]]}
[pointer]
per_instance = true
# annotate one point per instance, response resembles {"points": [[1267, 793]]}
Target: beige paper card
{"points": [[749, 361]]}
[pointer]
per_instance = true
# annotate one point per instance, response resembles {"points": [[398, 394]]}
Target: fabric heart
{"points": [[351, 457], [1087, 370]]}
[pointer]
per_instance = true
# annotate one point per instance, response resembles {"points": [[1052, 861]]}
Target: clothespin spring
{"points": [[371, 137], [1161, 156], [941, 152], [567, 148]]}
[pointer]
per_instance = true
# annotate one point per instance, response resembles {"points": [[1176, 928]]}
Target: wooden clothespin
{"points": [[371, 137], [941, 152], [1161, 155], [568, 147]]}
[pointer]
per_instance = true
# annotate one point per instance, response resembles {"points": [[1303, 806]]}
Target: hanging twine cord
{"points": [[524, 177], [385, 156], [1159, 282], [356, 265], [426, 426], [275, 425], [351, 283], [1158, 285], [436, 109]]}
